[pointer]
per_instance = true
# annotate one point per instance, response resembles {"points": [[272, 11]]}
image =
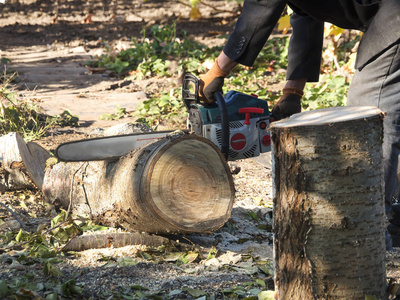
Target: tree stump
{"points": [[21, 164], [175, 185], [329, 218]]}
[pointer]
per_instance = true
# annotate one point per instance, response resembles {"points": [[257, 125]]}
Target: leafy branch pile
{"points": [[153, 57], [35, 250], [24, 116]]}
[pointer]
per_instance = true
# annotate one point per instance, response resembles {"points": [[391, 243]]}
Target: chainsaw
{"points": [[238, 124]]}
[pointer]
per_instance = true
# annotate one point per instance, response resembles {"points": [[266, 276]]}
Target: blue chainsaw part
{"points": [[234, 100]]}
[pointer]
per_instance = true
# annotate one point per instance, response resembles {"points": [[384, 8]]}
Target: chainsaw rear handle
{"points": [[224, 123]]}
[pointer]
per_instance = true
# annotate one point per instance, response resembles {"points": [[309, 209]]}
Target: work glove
{"points": [[288, 104], [211, 82]]}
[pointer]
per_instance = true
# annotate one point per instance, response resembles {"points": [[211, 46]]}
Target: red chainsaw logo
{"points": [[238, 141]]}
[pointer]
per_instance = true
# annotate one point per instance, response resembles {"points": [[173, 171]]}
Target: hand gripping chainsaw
{"points": [[237, 124]]}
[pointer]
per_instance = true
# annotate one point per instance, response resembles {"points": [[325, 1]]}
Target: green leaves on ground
{"points": [[70, 288], [40, 248], [24, 116], [120, 113], [161, 107], [152, 57]]}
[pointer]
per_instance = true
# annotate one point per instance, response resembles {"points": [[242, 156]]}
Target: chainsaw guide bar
{"points": [[103, 148]]}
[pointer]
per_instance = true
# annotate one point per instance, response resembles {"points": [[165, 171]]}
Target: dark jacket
{"points": [[379, 19]]}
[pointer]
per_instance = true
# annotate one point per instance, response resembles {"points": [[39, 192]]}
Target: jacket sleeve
{"points": [[252, 29], [305, 48]]}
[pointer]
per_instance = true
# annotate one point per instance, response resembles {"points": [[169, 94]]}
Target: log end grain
{"points": [[328, 116], [190, 186]]}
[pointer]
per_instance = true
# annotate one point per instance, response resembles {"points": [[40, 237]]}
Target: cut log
{"points": [[21, 164], [175, 185], [329, 218]]}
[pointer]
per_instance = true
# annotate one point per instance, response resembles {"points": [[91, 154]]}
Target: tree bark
{"points": [[21, 164], [329, 218], [175, 185]]}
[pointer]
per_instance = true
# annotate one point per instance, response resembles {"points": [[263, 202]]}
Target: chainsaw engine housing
{"points": [[249, 120]]}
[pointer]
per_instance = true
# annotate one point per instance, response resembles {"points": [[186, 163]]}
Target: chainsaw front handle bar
{"points": [[189, 97], [224, 123]]}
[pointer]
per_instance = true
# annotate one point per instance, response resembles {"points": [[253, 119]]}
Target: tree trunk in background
{"points": [[21, 164], [329, 218], [175, 185]]}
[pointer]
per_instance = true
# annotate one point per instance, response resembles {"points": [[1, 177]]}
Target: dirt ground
{"points": [[49, 45], [50, 58]]}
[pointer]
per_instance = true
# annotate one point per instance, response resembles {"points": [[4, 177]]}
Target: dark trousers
{"points": [[378, 84]]}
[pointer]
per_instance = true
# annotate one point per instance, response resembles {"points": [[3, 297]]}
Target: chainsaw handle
{"points": [[188, 96], [250, 110], [224, 123]]}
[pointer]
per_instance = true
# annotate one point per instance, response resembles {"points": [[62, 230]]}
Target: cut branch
{"points": [[21, 164], [116, 240]]}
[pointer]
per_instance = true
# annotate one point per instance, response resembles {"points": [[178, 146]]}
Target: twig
{"points": [[335, 61], [184, 3], [215, 8], [86, 196], [14, 214], [71, 191], [206, 4]]}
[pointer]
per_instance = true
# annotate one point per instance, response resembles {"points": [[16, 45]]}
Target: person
{"points": [[376, 81]]}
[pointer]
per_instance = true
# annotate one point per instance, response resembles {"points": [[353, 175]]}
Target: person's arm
{"points": [[304, 63], [225, 63], [305, 48], [252, 30], [290, 101], [213, 80], [297, 84]]}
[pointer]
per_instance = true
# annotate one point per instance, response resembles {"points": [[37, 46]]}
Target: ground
{"points": [[48, 46]]}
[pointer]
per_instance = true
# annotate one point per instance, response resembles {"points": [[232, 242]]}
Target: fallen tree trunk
{"points": [[328, 205], [21, 164], [175, 185]]}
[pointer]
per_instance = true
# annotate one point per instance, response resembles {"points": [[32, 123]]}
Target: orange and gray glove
{"points": [[211, 82], [288, 104]]}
